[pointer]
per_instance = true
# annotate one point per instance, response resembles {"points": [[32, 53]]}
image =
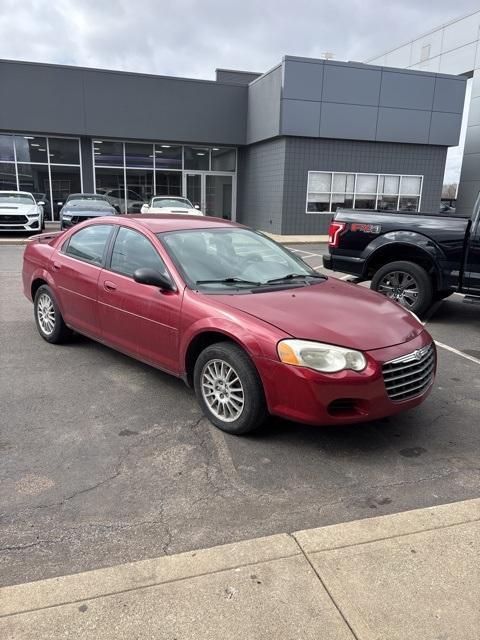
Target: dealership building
{"points": [[279, 151]]}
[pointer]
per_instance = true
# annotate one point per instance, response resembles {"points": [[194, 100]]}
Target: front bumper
{"points": [[31, 223], [304, 395]]}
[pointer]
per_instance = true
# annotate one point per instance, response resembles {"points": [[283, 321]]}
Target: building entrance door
{"points": [[213, 192]]}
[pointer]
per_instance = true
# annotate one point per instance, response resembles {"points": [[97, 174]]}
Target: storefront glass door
{"points": [[213, 193]]}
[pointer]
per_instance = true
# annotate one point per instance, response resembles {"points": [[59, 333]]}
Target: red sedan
{"points": [[252, 327]]}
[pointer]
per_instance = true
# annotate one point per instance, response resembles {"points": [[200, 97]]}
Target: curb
{"points": [[89, 585]]}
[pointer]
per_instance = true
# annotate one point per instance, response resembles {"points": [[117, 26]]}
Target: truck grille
{"points": [[6, 218], [410, 375]]}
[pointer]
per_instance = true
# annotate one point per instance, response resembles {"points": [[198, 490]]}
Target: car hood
{"points": [[88, 210], [23, 209], [332, 311]]}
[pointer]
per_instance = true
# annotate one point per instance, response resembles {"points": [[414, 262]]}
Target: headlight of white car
{"points": [[319, 356]]}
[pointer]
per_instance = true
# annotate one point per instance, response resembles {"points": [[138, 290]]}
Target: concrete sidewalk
{"points": [[412, 575]]}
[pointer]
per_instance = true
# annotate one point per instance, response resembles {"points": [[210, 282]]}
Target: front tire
{"points": [[229, 389], [406, 283], [48, 318]]}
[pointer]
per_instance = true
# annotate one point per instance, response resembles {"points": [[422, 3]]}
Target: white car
{"points": [[19, 211], [171, 204]]}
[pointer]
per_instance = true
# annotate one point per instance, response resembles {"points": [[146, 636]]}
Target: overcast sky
{"points": [[193, 37]]}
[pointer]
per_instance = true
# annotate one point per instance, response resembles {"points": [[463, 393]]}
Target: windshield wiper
{"points": [[294, 276], [229, 281]]}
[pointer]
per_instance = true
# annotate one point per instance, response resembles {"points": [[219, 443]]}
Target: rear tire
{"points": [[48, 318], [229, 389], [406, 283]]}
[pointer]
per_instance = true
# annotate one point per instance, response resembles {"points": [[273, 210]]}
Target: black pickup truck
{"points": [[410, 257]]}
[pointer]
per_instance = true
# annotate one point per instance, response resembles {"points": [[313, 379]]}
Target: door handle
{"points": [[56, 266], [108, 285]]}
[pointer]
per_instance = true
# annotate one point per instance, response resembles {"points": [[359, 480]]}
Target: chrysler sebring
{"points": [[250, 326]]}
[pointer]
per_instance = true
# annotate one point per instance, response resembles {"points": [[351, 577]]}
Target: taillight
{"points": [[334, 232]]}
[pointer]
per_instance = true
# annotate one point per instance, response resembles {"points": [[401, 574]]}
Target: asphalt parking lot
{"points": [[105, 460]]}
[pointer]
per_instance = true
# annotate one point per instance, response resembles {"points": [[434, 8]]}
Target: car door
{"points": [[76, 270], [472, 262], [136, 318]]}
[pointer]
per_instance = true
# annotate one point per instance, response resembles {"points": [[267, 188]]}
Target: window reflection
{"points": [[65, 180], [138, 154], [31, 149], [6, 148], [223, 159], [110, 182], [168, 156], [8, 178], [139, 188], [64, 151], [168, 183], [109, 153], [197, 158]]}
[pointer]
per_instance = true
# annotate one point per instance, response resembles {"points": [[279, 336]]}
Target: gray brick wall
{"points": [[260, 185], [306, 154]]}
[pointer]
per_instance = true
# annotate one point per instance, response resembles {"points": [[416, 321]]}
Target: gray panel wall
{"points": [[332, 99], [260, 185], [263, 118], [303, 155], [272, 179], [69, 100]]}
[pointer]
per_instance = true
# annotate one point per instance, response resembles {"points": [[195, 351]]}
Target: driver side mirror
{"points": [[196, 206], [41, 203], [59, 204], [152, 277]]}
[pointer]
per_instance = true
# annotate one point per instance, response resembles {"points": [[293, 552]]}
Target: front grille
{"points": [[410, 375], [12, 219]]}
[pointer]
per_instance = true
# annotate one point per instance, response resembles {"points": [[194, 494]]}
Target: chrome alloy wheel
{"points": [[46, 314], [401, 287], [222, 390]]}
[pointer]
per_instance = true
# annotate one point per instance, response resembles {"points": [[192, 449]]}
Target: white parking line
{"points": [[457, 352]]}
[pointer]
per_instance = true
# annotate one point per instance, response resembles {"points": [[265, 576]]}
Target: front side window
{"points": [[229, 259], [89, 243], [133, 251]]}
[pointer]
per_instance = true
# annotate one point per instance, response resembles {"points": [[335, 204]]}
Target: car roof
{"points": [[171, 197], [161, 222]]}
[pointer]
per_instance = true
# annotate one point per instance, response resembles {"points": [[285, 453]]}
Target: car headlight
{"points": [[322, 357]]}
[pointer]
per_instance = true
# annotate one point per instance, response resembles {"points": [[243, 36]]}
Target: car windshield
{"points": [[234, 259], [161, 203], [87, 196], [16, 198], [75, 202]]}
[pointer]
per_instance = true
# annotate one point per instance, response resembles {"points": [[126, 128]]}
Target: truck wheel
{"points": [[406, 283], [229, 389]]}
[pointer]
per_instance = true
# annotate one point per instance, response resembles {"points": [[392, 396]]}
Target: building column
{"points": [[87, 164]]}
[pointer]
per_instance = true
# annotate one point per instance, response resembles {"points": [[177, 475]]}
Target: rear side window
{"points": [[89, 243], [133, 251]]}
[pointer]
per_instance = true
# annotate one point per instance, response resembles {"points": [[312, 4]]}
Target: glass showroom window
{"points": [[47, 167], [327, 191]]}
